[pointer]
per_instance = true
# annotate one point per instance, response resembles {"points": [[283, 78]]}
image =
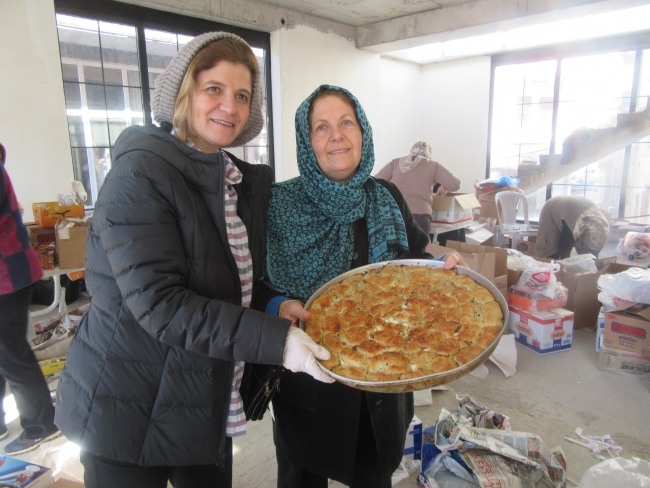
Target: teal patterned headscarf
{"points": [[310, 218]]}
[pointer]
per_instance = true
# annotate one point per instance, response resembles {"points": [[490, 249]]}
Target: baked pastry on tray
{"points": [[403, 322]]}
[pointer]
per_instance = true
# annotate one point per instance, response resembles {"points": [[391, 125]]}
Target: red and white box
{"points": [[543, 332]]}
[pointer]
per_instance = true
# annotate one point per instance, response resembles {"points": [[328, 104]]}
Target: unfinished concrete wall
{"points": [[454, 115], [33, 126]]}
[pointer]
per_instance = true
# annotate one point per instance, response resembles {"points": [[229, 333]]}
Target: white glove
{"points": [[299, 352]]}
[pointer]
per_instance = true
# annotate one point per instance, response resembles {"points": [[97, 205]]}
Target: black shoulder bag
{"points": [[260, 383]]}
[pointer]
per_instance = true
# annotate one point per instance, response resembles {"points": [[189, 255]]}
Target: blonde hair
{"points": [[227, 49]]}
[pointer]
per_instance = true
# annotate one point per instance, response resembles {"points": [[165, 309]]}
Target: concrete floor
{"points": [[549, 396]]}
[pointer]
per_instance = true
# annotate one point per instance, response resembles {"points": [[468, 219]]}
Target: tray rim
{"points": [[433, 377]]}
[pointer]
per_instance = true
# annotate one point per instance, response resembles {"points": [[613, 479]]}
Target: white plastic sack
{"points": [[632, 285], [539, 280], [637, 244], [618, 472], [609, 301], [520, 262], [583, 263]]}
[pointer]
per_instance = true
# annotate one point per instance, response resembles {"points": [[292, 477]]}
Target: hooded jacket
{"points": [[155, 353]]}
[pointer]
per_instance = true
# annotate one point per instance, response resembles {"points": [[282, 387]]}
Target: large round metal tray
{"points": [[435, 379]]}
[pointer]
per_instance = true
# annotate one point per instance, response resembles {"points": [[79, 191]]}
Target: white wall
{"points": [[454, 115], [33, 125], [398, 126], [306, 59]]}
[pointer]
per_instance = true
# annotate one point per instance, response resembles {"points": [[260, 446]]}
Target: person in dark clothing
{"points": [[331, 219], [151, 387], [20, 269], [570, 221]]}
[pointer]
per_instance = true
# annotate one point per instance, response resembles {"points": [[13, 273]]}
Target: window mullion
{"points": [[628, 149], [144, 75], [556, 102]]}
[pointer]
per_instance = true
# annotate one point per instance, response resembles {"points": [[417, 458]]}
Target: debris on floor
{"points": [[477, 448], [597, 444]]}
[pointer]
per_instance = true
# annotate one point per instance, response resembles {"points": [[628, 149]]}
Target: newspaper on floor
{"points": [[480, 449]]}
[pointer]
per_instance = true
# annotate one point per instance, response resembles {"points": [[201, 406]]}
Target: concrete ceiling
{"points": [[388, 25], [362, 12]]}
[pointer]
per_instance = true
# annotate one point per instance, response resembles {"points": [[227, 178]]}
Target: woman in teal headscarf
{"points": [[331, 219]]}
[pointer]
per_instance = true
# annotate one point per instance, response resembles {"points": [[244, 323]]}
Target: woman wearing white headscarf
{"points": [[415, 176]]}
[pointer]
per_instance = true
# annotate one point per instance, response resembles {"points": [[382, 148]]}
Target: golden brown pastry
{"points": [[403, 322]]}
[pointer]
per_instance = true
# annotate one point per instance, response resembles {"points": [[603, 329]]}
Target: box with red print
{"points": [[543, 332], [627, 328]]}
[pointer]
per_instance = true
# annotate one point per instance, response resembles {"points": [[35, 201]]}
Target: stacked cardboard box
{"points": [[543, 332], [625, 344], [490, 262], [71, 237], [488, 205], [582, 289], [453, 208]]}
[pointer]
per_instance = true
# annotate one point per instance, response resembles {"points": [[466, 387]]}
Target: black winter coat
{"points": [[316, 424], [149, 373]]}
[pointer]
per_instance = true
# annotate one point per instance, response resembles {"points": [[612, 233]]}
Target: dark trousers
{"points": [[368, 470], [424, 223], [566, 244], [100, 472], [19, 367]]}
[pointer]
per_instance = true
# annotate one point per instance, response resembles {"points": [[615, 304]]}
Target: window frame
{"points": [[637, 43], [146, 18]]}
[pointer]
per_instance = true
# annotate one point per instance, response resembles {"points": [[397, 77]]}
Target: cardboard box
{"points": [[46, 255], [39, 235], [582, 289], [488, 205], [71, 238], [623, 362], [52, 365], [542, 332], [525, 246], [627, 328], [490, 262], [453, 208], [600, 328], [413, 443], [47, 214], [23, 474]]}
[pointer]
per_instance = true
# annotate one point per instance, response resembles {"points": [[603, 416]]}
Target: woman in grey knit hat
{"points": [[151, 388]]}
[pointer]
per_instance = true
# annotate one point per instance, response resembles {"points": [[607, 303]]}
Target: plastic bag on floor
{"points": [[617, 472]]}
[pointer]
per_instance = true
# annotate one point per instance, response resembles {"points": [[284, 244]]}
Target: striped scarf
{"points": [[238, 240]]}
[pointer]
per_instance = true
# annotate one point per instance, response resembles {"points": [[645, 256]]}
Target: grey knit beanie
{"points": [[168, 84]]}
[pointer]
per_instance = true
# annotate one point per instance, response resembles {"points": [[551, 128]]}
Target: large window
{"points": [[540, 98], [105, 48]]}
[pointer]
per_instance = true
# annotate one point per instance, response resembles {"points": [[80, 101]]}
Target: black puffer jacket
{"points": [[149, 373]]}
